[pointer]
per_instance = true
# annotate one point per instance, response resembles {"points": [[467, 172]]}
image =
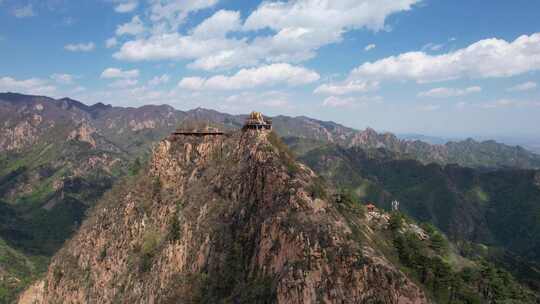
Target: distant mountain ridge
{"points": [[159, 120]]}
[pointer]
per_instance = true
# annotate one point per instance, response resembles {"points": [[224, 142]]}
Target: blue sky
{"points": [[446, 68]]}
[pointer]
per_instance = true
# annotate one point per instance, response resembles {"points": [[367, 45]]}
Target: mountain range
{"points": [[236, 219], [58, 157]]}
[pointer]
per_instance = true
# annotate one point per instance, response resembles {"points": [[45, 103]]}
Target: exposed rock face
{"points": [[34, 294], [146, 124], [19, 136], [83, 133], [221, 219]]}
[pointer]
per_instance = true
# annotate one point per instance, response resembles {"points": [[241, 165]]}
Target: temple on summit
{"points": [[256, 121]]}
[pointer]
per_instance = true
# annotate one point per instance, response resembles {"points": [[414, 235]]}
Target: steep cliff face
{"points": [[222, 219]]}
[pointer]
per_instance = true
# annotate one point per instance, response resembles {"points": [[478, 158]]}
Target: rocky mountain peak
{"points": [[222, 218]]}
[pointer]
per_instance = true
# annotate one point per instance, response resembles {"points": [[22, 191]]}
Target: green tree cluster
{"points": [[481, 284]]}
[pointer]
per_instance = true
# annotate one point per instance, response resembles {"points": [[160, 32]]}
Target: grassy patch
{"points": [[317, 188], [19, 271], [149, 248]]}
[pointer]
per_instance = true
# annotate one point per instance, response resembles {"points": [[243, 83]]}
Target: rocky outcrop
{"points": [[84, 134], [34, 294], [19, 136], [217, 219]]}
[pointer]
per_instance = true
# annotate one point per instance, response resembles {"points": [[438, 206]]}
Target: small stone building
{"points": [[256, 121]]}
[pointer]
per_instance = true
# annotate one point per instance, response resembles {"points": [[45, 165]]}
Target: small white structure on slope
{"points": [[395, 205]]}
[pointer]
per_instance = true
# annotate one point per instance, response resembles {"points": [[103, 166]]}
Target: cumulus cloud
{"points": [[157, 80], [126, 6], [134, 27], [483, 59], [331, 15], [170, 46], [370, 47], [34, 86], [111, 73], [347, 87], [80, 47], [63, 78], [24, 11], [449, 92], [218, 25], [529, 85], [268, 75], [168, 15], [292, 31], [111, 42]]}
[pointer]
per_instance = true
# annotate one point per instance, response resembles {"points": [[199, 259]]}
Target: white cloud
{"points": [[34, 86], [332, 15], [296, 29], [432, 47], [63, 78], [449, 92], [347, 87], [370, 47], [268, 75], [337, 102], [157, 80], [523, 87], [24, 11], [171, 46], [483, 59], [134, 27], [124, 83], [80, 47], [270, 99], [349, 102], [218, 25], [126, 6], [111, 73], [169, 14], [111, 42]]}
